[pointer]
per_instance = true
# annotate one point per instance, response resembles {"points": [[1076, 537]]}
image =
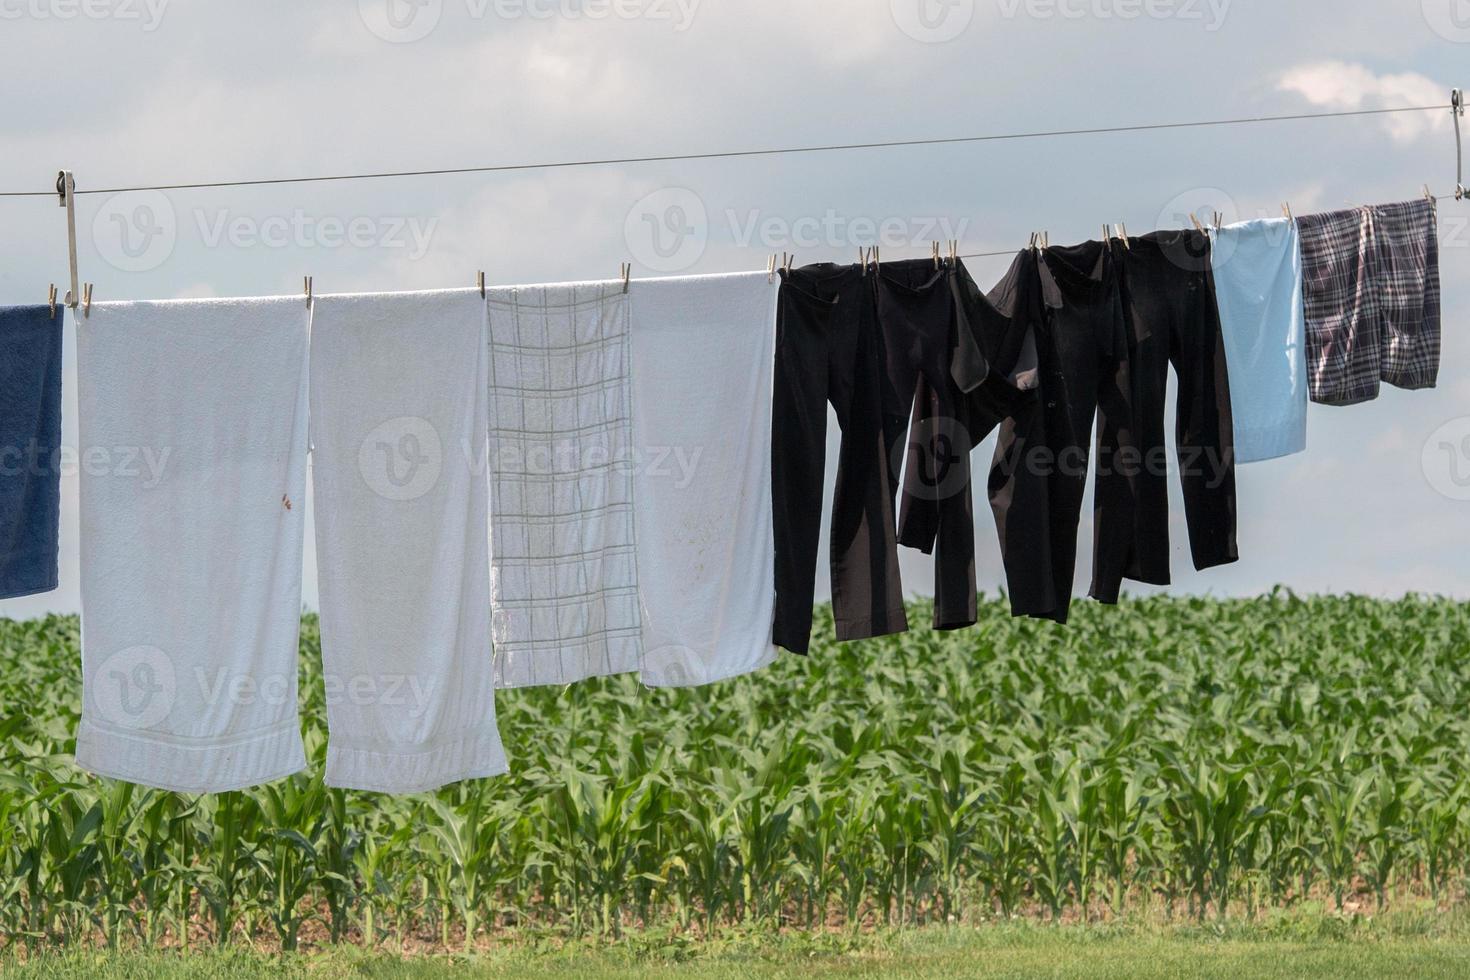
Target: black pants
{"points": [[997, 364], [1083, 370], [1169, 302], [926, 430], [829, 348]]}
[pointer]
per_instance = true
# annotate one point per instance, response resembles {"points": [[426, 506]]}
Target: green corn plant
{"points": [[706, 824], [1440, 832], [72, 821], [1209, 812], [336, 863], [1386, 834], [163, 872], [952, 827], [1336, 810], [468, 839], [1053, 851], [372, 856], [761, 798], [814, 845], [292, 813], [1005, 844], [118, 864], [897, 827], [1121, 811]]}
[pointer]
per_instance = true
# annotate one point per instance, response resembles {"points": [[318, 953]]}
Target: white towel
{"points": [[703, 355], [398, 470], [193, 471], [564, 590]]}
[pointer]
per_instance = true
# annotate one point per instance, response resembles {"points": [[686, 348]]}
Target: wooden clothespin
{"points": [[1286, 210], [625, 270], [771, 268], [954, 251], [1219, 220], [51, 300], [1429, 195], [1123, 235], [480, 281], [936, 253], [786, 260], [87, 300], [1107, 235], [1195, 218], [306, 288], [1032, 243]]}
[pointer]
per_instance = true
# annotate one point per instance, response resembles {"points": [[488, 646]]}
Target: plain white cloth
{"points": [[703, 356], [564, 588], [400, 501], [1258, 285], [192, 462]]}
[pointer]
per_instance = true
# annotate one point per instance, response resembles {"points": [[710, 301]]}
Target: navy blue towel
{"points": [[30, 448]]}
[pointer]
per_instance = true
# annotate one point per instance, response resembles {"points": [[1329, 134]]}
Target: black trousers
{"points": [[829, 348], [926, 429], [1169, 302], [1000, 370], [1083, 371]]}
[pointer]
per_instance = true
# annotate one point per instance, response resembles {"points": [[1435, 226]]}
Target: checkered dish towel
{"points": [[1406, 271], [564, 585], [1372, 297], [1344, 359]]}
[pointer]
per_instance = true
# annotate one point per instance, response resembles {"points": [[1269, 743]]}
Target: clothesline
{"points": [[79, 297], [737, 154]]}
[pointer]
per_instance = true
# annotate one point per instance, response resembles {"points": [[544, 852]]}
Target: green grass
{"points": [[1173, 759], [1299, 945]]}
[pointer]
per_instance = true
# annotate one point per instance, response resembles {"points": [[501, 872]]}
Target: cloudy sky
{"points": [[143, 92]]}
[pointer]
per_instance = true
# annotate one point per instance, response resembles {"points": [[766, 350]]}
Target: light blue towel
{"points": [[1258, 284], [30, 443]]}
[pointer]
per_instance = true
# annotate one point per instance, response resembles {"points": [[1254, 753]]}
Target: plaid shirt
{"points": [[1405, 260], [1372, 297]]}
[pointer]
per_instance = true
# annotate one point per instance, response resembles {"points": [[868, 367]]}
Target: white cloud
{"points": [[1347, 86]]}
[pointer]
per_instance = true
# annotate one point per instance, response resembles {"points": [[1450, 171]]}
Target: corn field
{"points": [[1172, 757]]}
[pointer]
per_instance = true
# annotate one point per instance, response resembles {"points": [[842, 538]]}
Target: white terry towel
{"points": [[703, 356], [193, 477], [398, 470], [564, 589]]}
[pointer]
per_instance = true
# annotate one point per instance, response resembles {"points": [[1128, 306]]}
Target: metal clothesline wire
{"points": [[737, 154], [80, 295]]}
